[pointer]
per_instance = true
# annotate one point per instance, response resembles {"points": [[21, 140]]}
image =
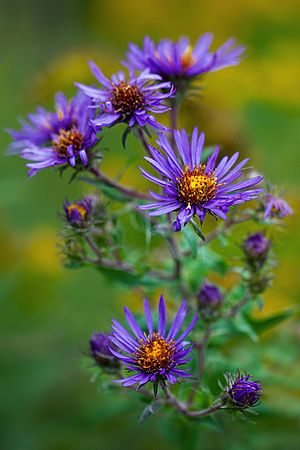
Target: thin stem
{"points": [[219, 231], [123, 189], [201, 347], [235, 309], [119, 265], [183, 408], [93, 246], [174, 250]]}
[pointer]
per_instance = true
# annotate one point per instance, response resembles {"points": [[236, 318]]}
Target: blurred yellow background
{"points": [[48, 312]]}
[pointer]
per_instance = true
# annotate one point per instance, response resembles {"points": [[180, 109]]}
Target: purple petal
{"points": [[162, 316], [133, 324], [189, 328], [177, 321], [148, 316]]}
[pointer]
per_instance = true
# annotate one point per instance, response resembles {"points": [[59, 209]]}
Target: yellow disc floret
{"points": [[65, 138], [79, 208], [154, 354], [196, 187], [126, 98], [187, 59]]}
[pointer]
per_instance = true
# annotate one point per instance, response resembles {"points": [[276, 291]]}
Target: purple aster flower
{"points": [[209, 300], [77, 213], [191, 187], [131, 100], [276, 207], [100, 352], [55, 138], [178, 60], [153, 355], [256, 248], [242, 392]]}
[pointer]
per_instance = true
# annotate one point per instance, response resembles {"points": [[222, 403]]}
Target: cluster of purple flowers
{"points": [[56, 138], [191, 185]]}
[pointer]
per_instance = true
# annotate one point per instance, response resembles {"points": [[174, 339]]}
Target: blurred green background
{"points": [[48, 312]]}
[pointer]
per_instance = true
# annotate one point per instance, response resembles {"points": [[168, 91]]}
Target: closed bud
{"points": [[256, 248], [100, 352], [209, 300], [241, 391]]}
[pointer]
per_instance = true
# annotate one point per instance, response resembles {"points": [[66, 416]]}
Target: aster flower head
{"points": [[78, 213], [179, 60], [209, 299], [130, 99], [56, 138], [241, 391], [100, 352], [256, 248], [276, 207], [154, 355], [191, 187]]}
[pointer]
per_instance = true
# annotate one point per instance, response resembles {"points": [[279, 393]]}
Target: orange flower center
{"points": [[79, 208], [195, 186], [65, 138], [187, 59], [155, 354], [126, 98]]}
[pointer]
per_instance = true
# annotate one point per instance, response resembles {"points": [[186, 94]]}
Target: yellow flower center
{"points": [[79, 208], [195, 186], [187, 59], [154, 354], [65, 138], [126, 98]]}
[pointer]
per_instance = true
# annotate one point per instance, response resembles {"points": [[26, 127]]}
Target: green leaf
{"points": [[197, 230], [109, 191], [260, 326], [148, 411], [125, 136], [241, 324]]}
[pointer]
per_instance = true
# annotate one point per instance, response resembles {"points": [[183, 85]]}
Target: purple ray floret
{"points": [[276, 207], [153, 355], [178, 60], [54, 138], [191, 188], [132, 99]]}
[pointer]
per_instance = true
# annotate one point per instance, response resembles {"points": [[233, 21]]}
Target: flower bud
{"points": [[78, 213], [259, 282], [241, 392], [100, 352], [256, 248], [209, 300]]}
